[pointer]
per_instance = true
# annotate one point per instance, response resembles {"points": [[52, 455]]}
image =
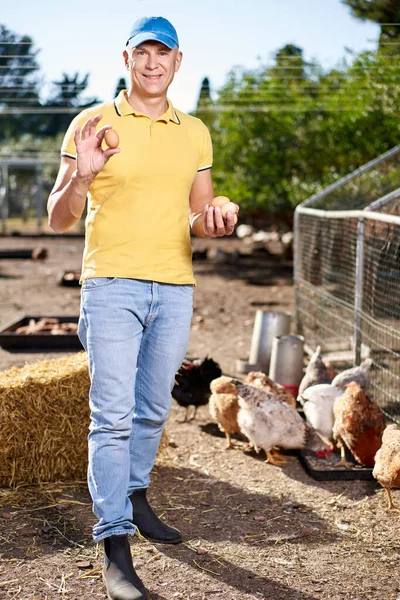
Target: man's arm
{"points": [[205, 220], [67, 199]]}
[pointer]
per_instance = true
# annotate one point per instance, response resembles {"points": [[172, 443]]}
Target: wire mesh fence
{"points": [[25, 183], [347, 274]]}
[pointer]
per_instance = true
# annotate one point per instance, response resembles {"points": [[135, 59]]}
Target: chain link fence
{"points": [[347, 274]]}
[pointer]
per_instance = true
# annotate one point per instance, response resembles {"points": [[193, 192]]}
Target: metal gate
{"points": [[347, 274]]}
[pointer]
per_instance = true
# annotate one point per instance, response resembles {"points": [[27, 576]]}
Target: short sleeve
{"points": [[206, 150], [68, 147]]}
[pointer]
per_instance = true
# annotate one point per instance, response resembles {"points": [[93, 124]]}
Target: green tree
{"points": [[289, 63], [279, 138], [121, 85], [204, 108], [384, 12], [205, 93], [19, 82], [67, 94], [23, 110]]}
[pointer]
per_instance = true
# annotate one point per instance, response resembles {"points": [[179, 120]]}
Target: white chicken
{"points": [[269, 423], [358, 374], [318, 401]]}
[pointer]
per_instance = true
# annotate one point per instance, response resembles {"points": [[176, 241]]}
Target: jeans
{"points": [[135, 333]]}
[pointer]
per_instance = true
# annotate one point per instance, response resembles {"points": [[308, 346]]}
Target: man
{"points": [[137, 279]]}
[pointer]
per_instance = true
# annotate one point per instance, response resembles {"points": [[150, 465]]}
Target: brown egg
{"points": [[111, 138], [219, 201], [229, 206]]}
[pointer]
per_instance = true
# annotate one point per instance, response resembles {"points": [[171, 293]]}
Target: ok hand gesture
{"points": [[90, 157]]}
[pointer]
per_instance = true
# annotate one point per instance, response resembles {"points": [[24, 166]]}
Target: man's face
{"points": [[152, 67]]}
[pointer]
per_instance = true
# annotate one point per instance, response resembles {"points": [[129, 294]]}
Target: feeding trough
{"points": [[286, 365], [57, 333], [267, 325], [70, 278]]}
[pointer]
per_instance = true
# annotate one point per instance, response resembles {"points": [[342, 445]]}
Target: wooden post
{"points": [[4, 197], [38, 196]]}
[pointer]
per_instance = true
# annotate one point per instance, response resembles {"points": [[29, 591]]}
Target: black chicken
{"points": [[192, 383]]}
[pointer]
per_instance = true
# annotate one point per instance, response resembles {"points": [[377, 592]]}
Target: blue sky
{"points": [[89, 36]]}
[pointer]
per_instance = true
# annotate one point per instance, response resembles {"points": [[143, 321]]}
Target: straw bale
{"points": [[44, 421]]}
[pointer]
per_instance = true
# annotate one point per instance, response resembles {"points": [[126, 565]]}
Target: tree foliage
{"points": [[19, 83], [23, 109], [67, 93], [121, 85], [283, 132], [384, 12]]}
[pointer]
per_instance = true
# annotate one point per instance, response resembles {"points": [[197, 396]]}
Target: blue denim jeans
{"points": [[135, 333]]}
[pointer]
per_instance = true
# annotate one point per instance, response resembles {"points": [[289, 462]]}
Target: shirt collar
{"points": [[123, 108]]}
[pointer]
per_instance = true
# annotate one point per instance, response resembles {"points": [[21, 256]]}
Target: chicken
{"points": [[358, 426], [318, 401], [387, 461], [224, 406], [316, 372], [263, 382], [39, 253], [192, 383], [357, 374], [267, 422]]}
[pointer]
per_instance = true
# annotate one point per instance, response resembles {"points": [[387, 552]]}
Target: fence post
{"points": [[38, 196], [4, 197], [358, 300], [296, 268]]}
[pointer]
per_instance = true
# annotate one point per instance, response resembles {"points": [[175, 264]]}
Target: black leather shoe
{"points": [[119, 575], [149, 525]]}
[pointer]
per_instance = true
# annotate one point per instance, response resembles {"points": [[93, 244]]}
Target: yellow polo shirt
{"points": [[137, 223]]}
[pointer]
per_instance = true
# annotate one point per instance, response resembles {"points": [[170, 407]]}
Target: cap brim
{"points": [[136, 40]]}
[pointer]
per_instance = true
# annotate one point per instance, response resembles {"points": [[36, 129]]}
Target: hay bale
{"points": [[44, 421]]}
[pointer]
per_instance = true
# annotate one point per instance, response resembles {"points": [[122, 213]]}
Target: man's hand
{"points": [[90, 157], [214, 224]]}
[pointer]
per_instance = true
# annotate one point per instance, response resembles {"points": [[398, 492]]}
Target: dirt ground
{"points": [[251, 530]]}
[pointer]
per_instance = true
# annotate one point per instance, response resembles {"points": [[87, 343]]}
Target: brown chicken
{"points": [[224, 406], [387, 461], [358, 426], [262, 381]]}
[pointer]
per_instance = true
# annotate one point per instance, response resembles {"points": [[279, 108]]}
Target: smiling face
{"points": [[152, 67]]}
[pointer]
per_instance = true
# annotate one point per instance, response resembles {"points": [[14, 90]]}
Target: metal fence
{"points": [[25, 183], [347, 274]]}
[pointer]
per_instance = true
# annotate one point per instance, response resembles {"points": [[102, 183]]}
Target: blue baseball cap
{"points": [[153, 28]]}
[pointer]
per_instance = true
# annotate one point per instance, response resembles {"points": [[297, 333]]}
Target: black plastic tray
{"points": [[38, 342], [68, 282], [325, 469]]}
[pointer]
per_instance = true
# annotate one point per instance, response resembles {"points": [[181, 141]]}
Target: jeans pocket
{"points": [[187, 288], [94, 283]]}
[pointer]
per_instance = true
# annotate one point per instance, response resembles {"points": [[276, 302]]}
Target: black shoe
{"points": [[120, 577], [149, 525]]}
